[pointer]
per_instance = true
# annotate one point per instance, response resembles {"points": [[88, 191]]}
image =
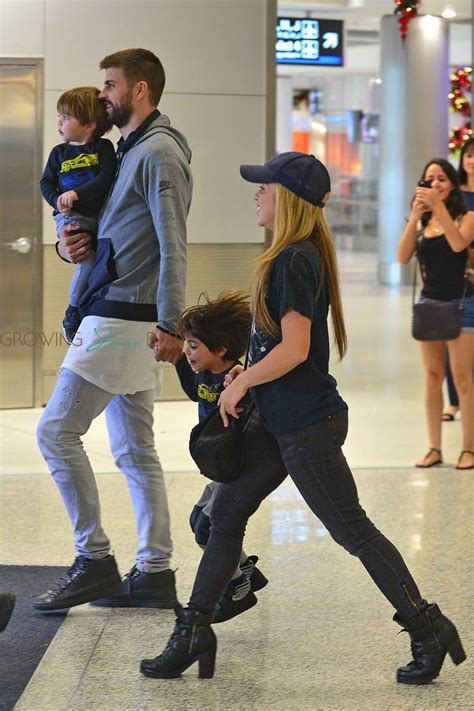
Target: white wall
{"points": [[214, 53]]}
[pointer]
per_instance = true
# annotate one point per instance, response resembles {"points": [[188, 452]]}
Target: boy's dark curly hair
{"points": [[222, 322]]}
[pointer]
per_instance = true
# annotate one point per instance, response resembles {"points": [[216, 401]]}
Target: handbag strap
{"points": [[419, 233], [246, 361], [461, 304], [414, 281]]}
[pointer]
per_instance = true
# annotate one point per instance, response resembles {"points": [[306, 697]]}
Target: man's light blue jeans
{"points": [[68, 415]]}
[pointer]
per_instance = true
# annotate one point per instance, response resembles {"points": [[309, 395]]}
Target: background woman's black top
{"points": [[442, 269], [307, 394]]}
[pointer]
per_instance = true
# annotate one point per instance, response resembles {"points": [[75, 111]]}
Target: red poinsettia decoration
{"points": [[406, 11], [459, 101]]}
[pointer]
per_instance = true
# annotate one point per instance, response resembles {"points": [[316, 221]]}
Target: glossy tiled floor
{"points": [[321, 636]]}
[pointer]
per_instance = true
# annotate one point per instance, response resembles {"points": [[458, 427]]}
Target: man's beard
{"points": [[120, 115]]}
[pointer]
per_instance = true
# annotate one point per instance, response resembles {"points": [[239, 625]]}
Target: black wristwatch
{"points": [[169, 333]]}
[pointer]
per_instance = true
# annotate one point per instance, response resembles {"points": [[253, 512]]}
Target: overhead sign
{"points": [[308, 41]]}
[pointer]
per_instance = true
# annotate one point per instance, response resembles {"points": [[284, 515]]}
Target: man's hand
{"points": [[74, 246], [167, 348]]}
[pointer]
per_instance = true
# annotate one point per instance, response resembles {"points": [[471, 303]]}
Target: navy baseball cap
{"points": [[301, 173]]}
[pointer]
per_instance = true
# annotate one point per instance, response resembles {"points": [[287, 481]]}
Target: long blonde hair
{"points": [[297, 220]]}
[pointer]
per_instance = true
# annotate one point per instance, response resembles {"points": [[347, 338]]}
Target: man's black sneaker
{"points": [[140, 589], [86, 580], [237, 598], [71, 323], [7, 603], [256, 577]]}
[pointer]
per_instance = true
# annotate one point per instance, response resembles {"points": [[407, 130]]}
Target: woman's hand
{"points": [[427, 197], [418, 207], [230, 398], [232, 374]]}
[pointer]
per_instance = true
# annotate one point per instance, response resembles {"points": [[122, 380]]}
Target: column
{"points": [[284, 107], [414, 124]]}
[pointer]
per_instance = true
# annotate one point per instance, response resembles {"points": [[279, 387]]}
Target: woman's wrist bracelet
{"points": [[169, 333]]}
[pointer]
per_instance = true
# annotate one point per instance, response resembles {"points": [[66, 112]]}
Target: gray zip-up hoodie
{"points": [[140, 269]]}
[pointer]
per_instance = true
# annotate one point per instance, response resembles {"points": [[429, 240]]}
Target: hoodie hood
{"points": [[162, 124]]}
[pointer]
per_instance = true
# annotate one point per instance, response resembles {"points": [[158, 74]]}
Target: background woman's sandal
{"points": [[439, 460], [449, 415], [465, 451]]}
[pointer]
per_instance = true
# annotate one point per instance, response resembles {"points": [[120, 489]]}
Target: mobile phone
{"points": [[424, 183]]}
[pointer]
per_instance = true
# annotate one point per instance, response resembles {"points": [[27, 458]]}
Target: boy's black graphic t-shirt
{"points": [[204, 388], [308, 393], [89, 169]]}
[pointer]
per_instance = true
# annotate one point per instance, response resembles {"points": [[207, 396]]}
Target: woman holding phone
{"points": [[439, 231], [299, 405]]}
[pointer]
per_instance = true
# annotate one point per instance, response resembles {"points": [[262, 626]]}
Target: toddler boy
{"points": [[78, 177]]}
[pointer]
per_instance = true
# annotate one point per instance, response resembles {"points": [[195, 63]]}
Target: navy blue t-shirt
{"points": [[307, 394], [469, 199]]}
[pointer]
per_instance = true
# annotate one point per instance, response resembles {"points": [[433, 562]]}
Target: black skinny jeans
{"points": [[314, 460]]}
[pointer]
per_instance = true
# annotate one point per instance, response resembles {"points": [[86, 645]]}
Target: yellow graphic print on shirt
{"points": [[207, 393], [83, 160]]}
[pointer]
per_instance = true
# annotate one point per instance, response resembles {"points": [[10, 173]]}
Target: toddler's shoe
{"points": [[239, 595], [256, 577], [237, 598], [71, 323]]}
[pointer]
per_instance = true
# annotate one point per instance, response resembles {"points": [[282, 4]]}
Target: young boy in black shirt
{"points": [[216, 334], [78, 177]]}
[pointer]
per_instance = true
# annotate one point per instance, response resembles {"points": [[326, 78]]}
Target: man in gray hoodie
{"points": [[135, 294]]}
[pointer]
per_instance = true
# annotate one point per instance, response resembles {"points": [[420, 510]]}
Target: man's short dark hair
{"points": [[139, 65], [223, 322]]}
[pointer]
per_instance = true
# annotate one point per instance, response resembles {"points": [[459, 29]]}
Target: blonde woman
{"points": [[298, 403]]}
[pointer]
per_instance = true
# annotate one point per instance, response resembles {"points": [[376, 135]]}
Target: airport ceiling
{"points": [[364, 15]]}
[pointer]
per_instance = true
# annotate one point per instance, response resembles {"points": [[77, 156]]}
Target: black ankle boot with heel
{"points": [[193, 640], [432, 637]]}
